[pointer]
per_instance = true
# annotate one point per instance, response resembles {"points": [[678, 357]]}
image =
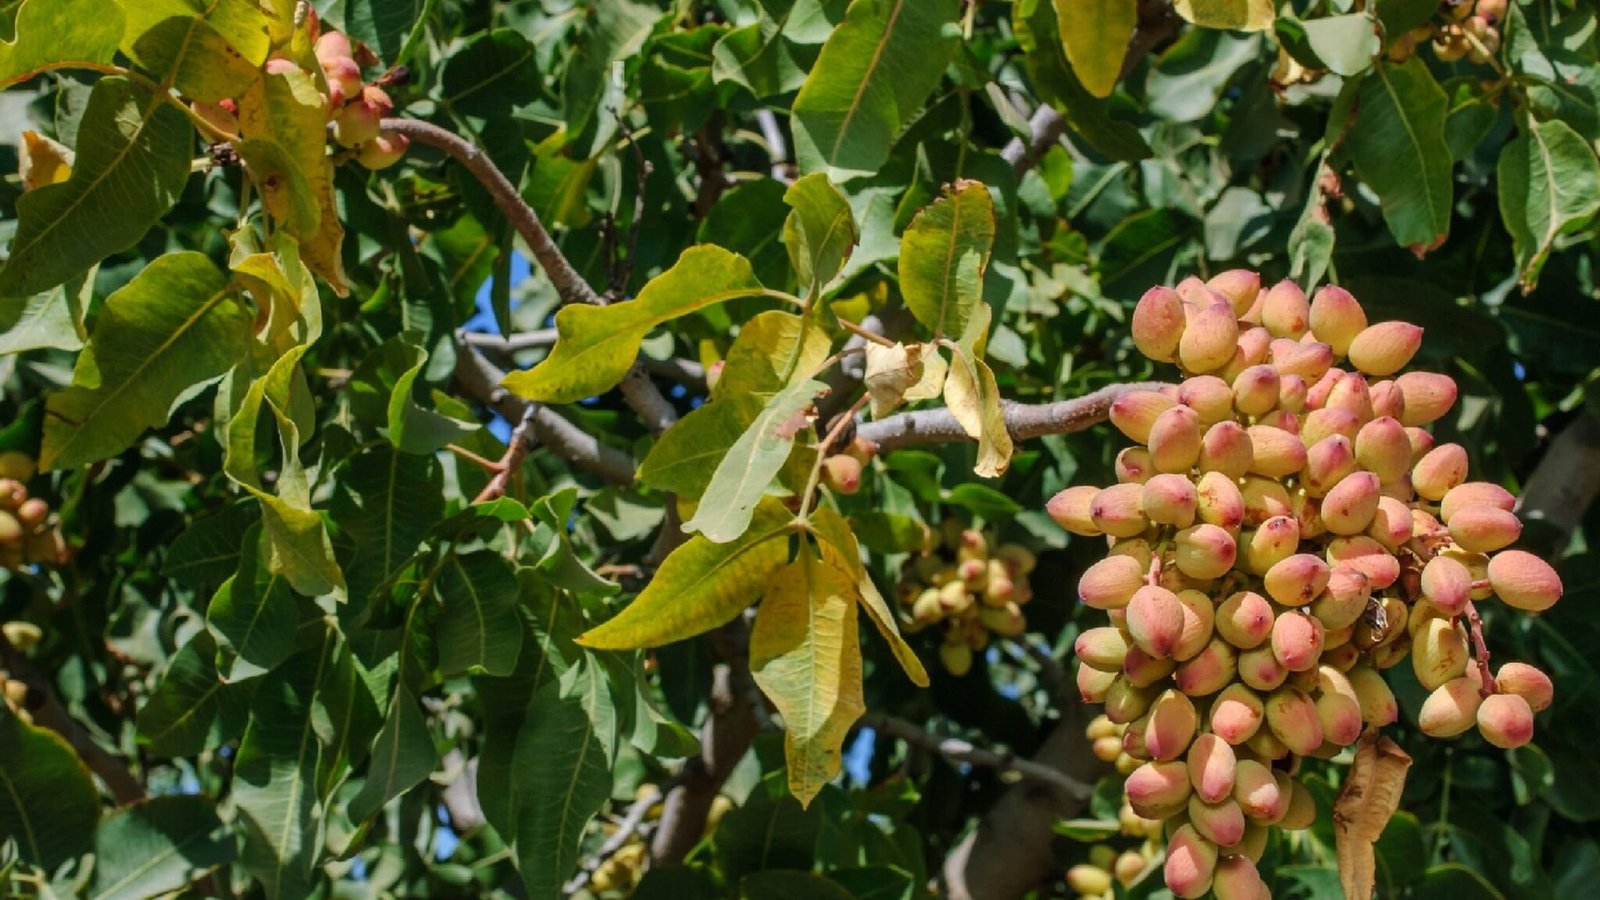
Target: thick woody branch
{"points": [[729, 729], [480, 379], [46, 709], [959, 751], [568, 283], [935, 426], [1565, 482]]}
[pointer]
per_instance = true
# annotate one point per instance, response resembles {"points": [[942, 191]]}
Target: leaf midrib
{"points": [[133, 377], [146, 116], [866, 78]]}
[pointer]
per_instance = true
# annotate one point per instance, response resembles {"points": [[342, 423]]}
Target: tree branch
{"points": [[1565, 482], [1010, 852], [47, 712], [568, 283], [1023, 421], [963, 752], [480, 379], [729, 729]]}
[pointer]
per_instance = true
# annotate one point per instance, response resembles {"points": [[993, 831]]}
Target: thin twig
{"points": [[511, 463], [865, 333], [956, 750], [1480, 650], [480, 379], [632, 824]]}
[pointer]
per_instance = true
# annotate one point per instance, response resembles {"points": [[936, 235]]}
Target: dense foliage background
{"points": [[284, 654]]}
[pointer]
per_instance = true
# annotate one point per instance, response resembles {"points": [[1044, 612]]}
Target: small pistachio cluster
{"points": [[355, 108], [21, 636], [1108, 866], [1284, 530], [1470, 29], [28, 532], [960, 584]]}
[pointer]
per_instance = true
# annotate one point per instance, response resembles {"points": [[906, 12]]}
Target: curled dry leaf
{"points": [[1370, 796]]}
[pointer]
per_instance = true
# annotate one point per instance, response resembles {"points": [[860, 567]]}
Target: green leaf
{"points": [[700, 585], [791, 884], [745, 473], [480, 628], [983, 501], [598, 344], [51, 320], [974, 399], [177, 324], [1235, 15], [402, 756], [684, 458], [1345, 44], [417, 430], [55, 33], [383, 25], [132, 163], [199, 59], [493, 70], [157, 846], [805, 654], [305, 717], [207, 552], [180, 713], [1089, 116], [820, 232], [840, 550], [870, 80], [1095, 35], [1397, 144], [1549, 186], [772, 350], [943, 256], [384, 502], [50, 804], [253, 613], [562, 779]]}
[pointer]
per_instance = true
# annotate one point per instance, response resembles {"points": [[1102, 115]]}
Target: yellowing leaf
{"points": [[840, 549], [286, 153], [44, 161], [771, 350], [53, 33], [1095, 34], [1234, 15], [749, 466], [700, 585], [943, 256], [598, 344], [805, 654], [974, 399], [891, 371]]}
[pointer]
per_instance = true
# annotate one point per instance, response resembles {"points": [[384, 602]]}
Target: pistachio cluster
{"points": [[355, 107], [28, 532], [1283, 530], [1468, 29], [971, 591]]}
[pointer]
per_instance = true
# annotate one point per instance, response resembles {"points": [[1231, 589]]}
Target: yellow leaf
{"points": [[1370, 796], [840, 549], [805, 654], [43, 162], [1095, 35], [974, 399], [701, 585], [891, 371], [1234, 15]]}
